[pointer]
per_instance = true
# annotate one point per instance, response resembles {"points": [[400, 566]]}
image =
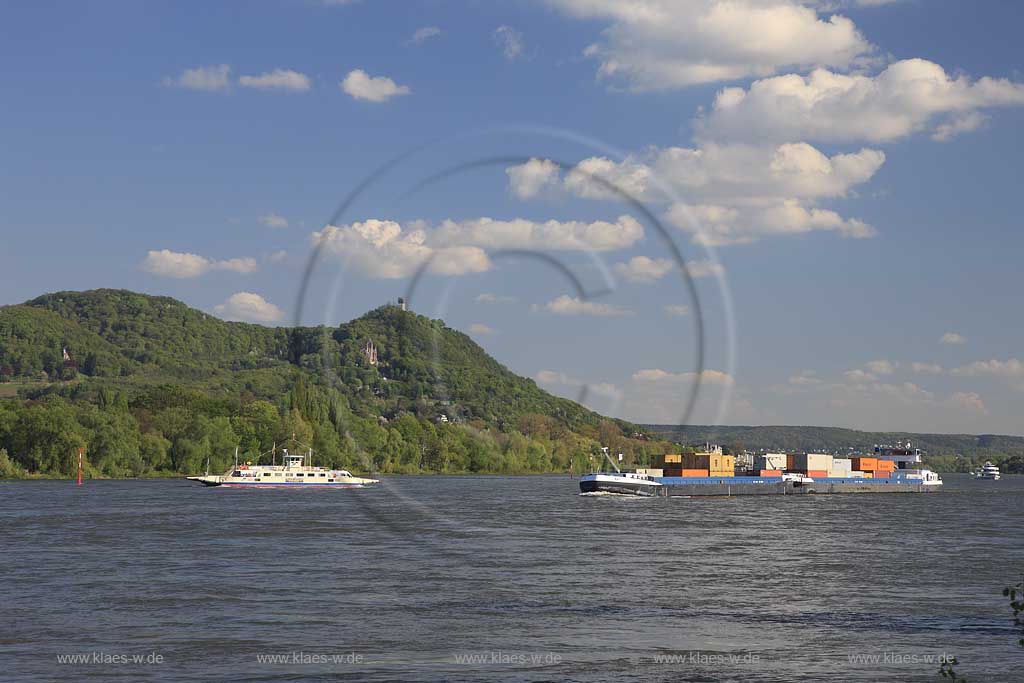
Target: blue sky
{"points": [[840, 177]]}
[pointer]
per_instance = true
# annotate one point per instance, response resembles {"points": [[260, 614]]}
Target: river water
{"points": [[505, 579]]}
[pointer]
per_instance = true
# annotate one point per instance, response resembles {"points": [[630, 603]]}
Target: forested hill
{"points": [[950, 452], [151, 386]]}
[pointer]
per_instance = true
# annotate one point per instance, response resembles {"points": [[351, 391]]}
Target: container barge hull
{"points": [[766, 486]]}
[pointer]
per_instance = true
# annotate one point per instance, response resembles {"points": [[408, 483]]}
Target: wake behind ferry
{"points": [[892, 469], [296, 472]]}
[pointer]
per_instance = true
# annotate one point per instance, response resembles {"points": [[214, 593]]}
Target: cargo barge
{"points": [[712, 473]]}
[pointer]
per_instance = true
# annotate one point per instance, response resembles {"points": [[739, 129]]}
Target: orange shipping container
{"points": [[886, 465], [864, 464], [821, 474], [770, 473], [694, 473], [880, 474], [789, 462]]}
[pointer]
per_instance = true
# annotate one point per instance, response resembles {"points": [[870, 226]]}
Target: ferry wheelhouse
{"points": [[295, 472]]}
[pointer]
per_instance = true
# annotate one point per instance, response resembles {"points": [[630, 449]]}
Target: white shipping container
{"points": [[770, 461], [812, 461], [652, 472], [841, 467]]}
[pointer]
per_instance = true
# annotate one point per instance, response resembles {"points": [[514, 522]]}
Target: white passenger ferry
{"points": [[987, 471], [296, 472]]}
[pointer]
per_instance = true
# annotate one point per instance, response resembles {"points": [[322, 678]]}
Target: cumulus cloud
{"points": [[824, 106], [969, 401], [387, 249], [215, 78], [1011, 368], [644, 269], [510, 41], [278, 257], [278, 79], [383, 249], [273, 220], [952, 339], [490, 298], [480, 328], [926, 368], [667, 44], [734, 193], [361, 86], [677, 310], [881, 367], [167, 263], [570, 305], [709, 377], [859, 376], [249, 307], [425, 33], [530, 179], [521, 233]]}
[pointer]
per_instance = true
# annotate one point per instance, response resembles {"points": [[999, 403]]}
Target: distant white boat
{"points": [[296, 472], [987, 471]]}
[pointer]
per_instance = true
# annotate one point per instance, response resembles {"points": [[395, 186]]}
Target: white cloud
{"points": [[425, 33], [362, 86], [249, 307], [480, 328], [386, 249], [803, 380], [735, 193], [881, 367], [1011, 368], [961, 123], [383, 249], [570, 305], [677, 310], [644, 269], [530, 179], [708, 377], [214, 78], [969, 401], [278, 79], [273, 220], [167, 263], [278, 256], [520, 233], [926, 368], [824, 106], [510, 41], [859, 376], [489, 298], [666, 44], [554, 377], [953, 339]]}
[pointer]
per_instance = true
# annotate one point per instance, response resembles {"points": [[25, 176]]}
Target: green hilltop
{"points": [[152, 387]]}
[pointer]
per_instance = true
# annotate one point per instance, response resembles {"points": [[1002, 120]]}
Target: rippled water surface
{"points": [[504, 578]]}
